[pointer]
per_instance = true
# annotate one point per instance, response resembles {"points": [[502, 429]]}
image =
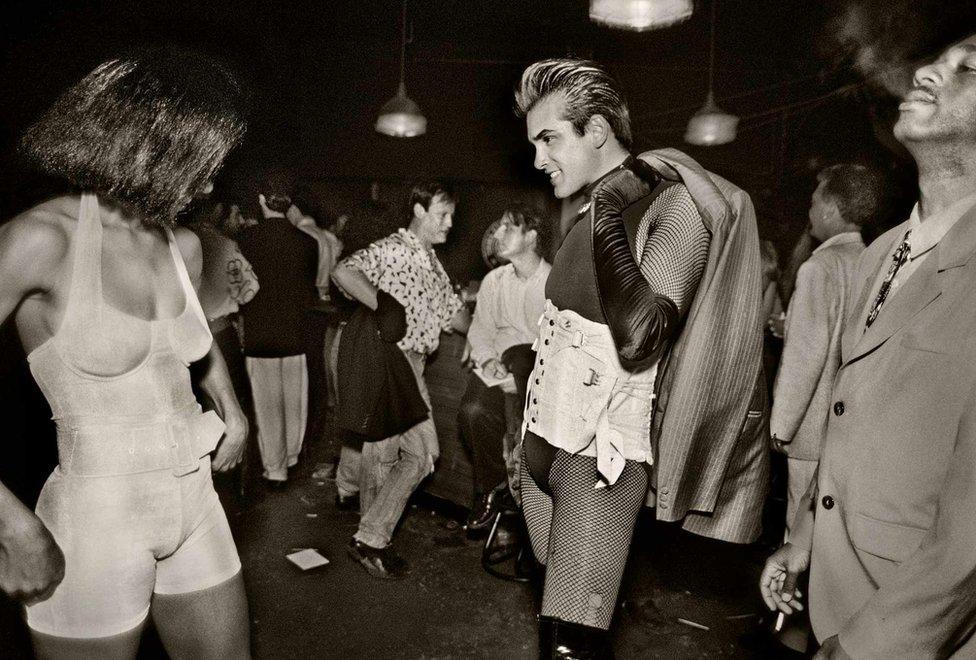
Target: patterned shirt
{"points": [[401, 266]]}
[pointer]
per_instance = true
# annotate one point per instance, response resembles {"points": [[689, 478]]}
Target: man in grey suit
{"points": [[847, 198], [888, 525]]}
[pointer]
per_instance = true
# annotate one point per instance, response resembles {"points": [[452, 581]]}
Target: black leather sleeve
{"points": [[640, 319]]}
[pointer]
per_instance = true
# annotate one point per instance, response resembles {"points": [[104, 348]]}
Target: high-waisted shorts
{"points": [[125, 537]]}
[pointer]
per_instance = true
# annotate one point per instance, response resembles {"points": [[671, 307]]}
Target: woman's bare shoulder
{"points": [[38, 239]]}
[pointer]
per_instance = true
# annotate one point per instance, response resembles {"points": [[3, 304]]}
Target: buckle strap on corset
{"points": [[111, 447]]}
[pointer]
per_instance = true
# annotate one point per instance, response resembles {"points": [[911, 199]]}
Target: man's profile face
{"points": [[568, 158], [512, 240], [822, 210], [942, 104], [436, 221]]}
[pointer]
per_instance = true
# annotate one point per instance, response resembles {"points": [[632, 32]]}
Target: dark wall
{"points": [[318, 72]]}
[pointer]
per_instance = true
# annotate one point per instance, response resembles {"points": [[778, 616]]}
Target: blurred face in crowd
{"points": [[433, 224], [511, 240], [569, 159], [234, 221], [824, 214], [941, 106]]}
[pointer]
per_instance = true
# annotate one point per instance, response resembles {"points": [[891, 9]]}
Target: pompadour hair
{"points": [[588, 89]]}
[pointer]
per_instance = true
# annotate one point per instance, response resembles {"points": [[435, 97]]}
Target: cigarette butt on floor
{"points": [[311, 515], [693, 624]]}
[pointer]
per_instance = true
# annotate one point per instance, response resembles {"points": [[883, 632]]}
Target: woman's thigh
{"points": [[115, 647], [209, 624]]}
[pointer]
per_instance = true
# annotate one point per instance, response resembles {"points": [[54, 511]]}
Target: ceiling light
{"points": [[640, 15], [401, 116], [711, 125]]}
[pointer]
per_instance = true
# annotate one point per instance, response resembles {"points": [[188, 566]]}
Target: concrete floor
{"points": [[448, 607]]}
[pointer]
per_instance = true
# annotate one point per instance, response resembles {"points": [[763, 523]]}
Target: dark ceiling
{"points": [[319, 70]]}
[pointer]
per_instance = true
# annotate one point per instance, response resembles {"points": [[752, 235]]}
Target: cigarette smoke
{"points": [[879, 39], [886, 40]]}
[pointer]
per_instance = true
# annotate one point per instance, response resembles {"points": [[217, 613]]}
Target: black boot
{"points": [[572, 641], [545, 637]]}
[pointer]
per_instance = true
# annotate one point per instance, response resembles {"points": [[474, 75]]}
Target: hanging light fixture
{"points": [[401, 116], [711, 125], [640, 15]]}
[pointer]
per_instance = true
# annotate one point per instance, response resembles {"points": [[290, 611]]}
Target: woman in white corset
{"points": [[101, 284]]}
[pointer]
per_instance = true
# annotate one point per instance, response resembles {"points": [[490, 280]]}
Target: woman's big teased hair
{"points": [[588, 88], [148, 131]]}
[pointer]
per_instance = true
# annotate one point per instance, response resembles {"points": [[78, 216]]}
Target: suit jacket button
{"points": [[839, 408], [828, 502]]}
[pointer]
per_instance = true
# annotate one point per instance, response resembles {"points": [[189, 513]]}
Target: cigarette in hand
{"points": [[789, 586]]}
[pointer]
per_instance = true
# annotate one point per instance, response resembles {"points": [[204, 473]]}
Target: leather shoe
{"points": [[381, 563], [347, 502], [482, 512]]}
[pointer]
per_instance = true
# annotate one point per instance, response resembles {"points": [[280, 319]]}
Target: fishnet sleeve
{"points": [[673, 246]]}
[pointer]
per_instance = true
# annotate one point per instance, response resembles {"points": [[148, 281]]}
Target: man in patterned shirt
{"points": [[405, 266]]}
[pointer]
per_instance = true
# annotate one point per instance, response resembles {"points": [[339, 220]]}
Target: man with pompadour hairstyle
{"points": [[649, 358]]}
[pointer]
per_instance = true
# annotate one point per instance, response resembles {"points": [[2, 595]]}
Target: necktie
{"points": [[898, 260]]}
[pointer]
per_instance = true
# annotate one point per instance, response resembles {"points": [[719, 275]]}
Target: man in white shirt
{"points": [[510, 302]]}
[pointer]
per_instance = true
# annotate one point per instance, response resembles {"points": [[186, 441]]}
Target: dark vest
{"points": [[572, 281]]}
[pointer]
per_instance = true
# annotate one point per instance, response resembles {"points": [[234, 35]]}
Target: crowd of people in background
{"points": [[659, 354]]}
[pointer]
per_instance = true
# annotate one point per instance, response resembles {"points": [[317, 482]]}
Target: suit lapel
{"points": [[925, 285], [912, 297], [855, 322]]}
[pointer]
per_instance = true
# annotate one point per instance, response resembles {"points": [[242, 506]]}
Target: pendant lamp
{"points": [[711, 125], [401, 116], [640, 15]]}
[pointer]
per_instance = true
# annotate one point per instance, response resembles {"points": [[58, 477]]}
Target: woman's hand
{"points": [[31, 563], [230, 451]]}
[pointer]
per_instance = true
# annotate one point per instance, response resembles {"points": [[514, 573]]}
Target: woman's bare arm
{"points": [[33, 249]]}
